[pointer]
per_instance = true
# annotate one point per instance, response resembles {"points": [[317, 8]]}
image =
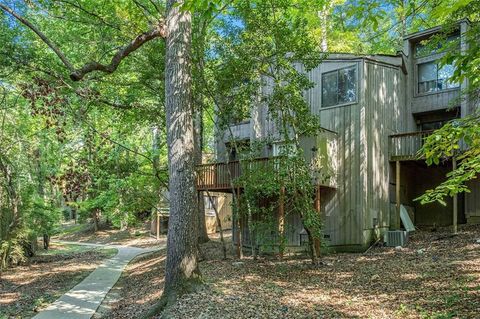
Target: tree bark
{"points": [[181, 272]]}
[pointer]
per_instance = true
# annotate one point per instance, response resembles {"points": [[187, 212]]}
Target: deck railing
{"points": [[220, 175], [406, 146]]}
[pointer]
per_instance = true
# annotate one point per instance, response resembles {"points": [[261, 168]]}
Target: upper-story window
{"points": [[432, 77], [437, 45], [339, 87]]}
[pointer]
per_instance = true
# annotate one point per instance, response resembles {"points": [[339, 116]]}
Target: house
{"points": [[375, 111], [221, 202]]}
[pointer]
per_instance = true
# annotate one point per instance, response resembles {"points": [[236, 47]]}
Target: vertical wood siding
{"points": [[472, 201], [384, 102], [343, 207]]}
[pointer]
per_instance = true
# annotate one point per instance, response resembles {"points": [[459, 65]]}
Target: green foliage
{"points": [[459, 139], [76, 146], [44, 217]]}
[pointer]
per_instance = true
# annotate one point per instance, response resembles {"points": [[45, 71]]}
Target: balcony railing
{"points": [[406, 146], [219, 176]]}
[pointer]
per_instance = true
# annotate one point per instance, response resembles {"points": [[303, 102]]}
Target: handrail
{"points": [[219, 175], [238, 161], [428, 132], [406, 146]]}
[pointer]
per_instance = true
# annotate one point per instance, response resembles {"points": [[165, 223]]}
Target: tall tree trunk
{"points": [[199, 35], [198, 146], [181, 272]]}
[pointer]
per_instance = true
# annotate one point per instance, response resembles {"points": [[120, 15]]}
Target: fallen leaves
{"points": [[443, 281], [28, 288]]}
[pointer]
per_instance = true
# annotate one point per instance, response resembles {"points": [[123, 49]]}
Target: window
{"points": [[209, 208], [339, 87], [435, 120], [432, 77], [425, 48]]}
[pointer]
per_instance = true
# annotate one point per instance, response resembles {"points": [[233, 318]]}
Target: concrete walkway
{"points": [[82, 301]]}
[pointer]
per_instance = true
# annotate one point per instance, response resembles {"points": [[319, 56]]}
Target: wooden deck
{"points": [[219, 176], [406, 146]]}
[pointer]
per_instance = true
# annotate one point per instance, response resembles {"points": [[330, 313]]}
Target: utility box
{"points": [[394, 238]]}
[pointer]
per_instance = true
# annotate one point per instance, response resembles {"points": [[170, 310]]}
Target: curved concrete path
{"points": [[82, 301]]}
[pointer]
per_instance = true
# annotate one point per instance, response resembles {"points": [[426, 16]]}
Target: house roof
{"points": [[389, 59], [420, 35]]}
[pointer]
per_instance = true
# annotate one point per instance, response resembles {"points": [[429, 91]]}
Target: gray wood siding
{"points": [[472, 200], [362, 128], [435, 101], [363, 164], [384, 100], [342, 208]]}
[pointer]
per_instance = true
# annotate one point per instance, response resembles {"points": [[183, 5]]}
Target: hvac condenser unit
{"points": [[394, 238]]}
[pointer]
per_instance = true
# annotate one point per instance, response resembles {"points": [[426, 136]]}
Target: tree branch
{"points": [[158, 31], [41, 36]]}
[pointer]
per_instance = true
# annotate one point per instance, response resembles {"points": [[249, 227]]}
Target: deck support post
{"points": [[281, 221], [396, 223], [239, 227], [455, 201], [317, 209]]}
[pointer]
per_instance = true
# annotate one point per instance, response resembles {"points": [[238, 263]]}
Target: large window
{"points": [[339, 87], [432, 77]]}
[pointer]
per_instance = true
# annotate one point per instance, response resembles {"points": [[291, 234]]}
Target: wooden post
{"points": [[396, 223], [455, 201], [317, 208], [239, 227], [158, 225], [281, 221]]}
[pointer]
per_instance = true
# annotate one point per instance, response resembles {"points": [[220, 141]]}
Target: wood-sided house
{"points": [[376, 110]]}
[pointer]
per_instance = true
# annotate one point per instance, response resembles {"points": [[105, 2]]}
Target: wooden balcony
{"points": [[219, 176], [406, 146]]}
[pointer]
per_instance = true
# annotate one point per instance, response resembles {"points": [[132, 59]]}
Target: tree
{"points": [[182, 250], [459, 139]]}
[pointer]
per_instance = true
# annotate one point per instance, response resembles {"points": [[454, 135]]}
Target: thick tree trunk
{"points": [[181, 272]]}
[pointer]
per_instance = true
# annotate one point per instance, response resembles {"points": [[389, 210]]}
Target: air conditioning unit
{"points": [[394, 238]]}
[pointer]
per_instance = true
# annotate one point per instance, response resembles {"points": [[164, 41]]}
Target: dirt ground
{"points": [[28, 288], [135, 237], [435, 276]]}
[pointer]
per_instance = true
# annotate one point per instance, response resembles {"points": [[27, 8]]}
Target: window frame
{"points": [[456, 36], [417, 79], [353, 66], [209, 207]]}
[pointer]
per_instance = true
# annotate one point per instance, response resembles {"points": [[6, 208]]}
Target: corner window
{"points": [[432, 77], [339, 87]]}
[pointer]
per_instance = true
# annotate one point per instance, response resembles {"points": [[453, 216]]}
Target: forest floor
{"points": [[135, 237], [435, 276], [28, 288]]}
